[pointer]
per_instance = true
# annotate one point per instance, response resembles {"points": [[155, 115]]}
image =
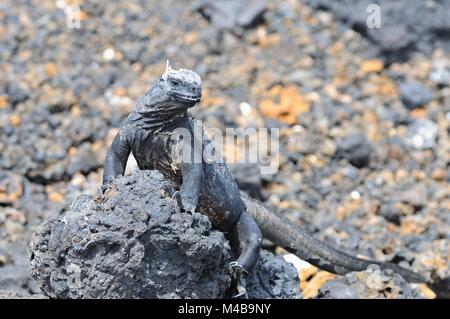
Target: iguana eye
{"points": [[174, 83]]}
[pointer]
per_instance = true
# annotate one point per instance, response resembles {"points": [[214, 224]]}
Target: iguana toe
{"points": [[238, 274]]}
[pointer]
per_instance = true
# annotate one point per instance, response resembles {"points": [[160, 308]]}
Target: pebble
{"points": [[356, 149], [337, 290], [440, 76], [17, 93], [109, 54], [413, 94], [245, 108], [422, 134]]}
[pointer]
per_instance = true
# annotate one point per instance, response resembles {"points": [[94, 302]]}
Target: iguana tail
{"points": [[282, 232]]}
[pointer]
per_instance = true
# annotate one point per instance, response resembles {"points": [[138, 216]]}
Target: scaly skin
{"points": [[151, 132]]}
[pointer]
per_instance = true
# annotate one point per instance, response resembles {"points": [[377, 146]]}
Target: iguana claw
{"points": [[237, 273], [177, 197], [186, 207]]}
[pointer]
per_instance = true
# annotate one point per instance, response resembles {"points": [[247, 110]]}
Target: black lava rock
{"points": [[16, 93], [133, 242], [391, 38], [356, 149], [400, 31], [391, 214], [230, 14], [335, 289]]}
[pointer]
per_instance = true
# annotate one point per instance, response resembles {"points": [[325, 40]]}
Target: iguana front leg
{"points": [[190, 188], [188, 153], [116, 158]]}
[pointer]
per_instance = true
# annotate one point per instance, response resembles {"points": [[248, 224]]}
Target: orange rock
{"points": [[370, 117], [55, 197], [83, 15], [418, 113], [409, 226], [284, 104], [346, 209], [419, 175], [306, 274], [14, 120], [337, 178], [120, 91], [75, 111], [25, 55], [391, 227], [336, 48], [98, 146], [371, 66], [388, 176], [51, 69], [439, 174], [191, 38], [264, 40], [72, 151], [3, 101], [426, 291], [386, 87], [312, 287], [72, 2], [401, 174], [380, 85], [208, 99]]}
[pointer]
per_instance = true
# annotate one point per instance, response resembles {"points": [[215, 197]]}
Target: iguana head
{"points": [[182, 86]]}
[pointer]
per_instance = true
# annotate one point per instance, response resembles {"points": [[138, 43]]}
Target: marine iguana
{"points": [[149, 132]]}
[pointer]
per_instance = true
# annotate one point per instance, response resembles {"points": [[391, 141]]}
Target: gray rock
{"points": [[391, 38], [335, 289], [441, 76], [84, 161], [400, 32], [413, 94], [133, 242], [17, 93], [356, 149], [390, 213], [230, 14], [273, 278], [371, 283]]}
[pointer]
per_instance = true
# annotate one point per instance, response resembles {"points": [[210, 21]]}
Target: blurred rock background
{"points": [[364, 117]]}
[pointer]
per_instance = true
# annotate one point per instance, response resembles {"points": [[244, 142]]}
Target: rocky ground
{"points": [[364, 127]]}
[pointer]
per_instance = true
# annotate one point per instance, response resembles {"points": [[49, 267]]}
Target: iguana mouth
{"points": [[187, 98]]}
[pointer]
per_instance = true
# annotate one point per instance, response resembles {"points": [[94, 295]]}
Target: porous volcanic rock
{"points": [[132, 241]]}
